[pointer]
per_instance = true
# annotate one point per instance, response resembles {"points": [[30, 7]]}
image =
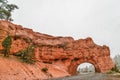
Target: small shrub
{"points": [[110, 72], [50, 75], [44, 69], [113, 70], [27, 55]]}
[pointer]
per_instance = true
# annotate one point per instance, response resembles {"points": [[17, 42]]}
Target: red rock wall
{"points": [[58, 51]]}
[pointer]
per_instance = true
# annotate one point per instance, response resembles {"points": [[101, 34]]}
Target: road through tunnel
{"points": [[74, 66]]}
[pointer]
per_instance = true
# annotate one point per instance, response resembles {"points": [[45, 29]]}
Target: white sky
{"points": [[83, 65], [99, 19]]}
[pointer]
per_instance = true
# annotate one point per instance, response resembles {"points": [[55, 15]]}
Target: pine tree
{"points": [[6, 10], [117, 61], [7, 45]]}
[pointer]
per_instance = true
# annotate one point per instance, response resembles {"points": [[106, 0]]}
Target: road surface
{"points": [[91, 76]]}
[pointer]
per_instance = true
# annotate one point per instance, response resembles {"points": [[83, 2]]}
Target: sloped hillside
{"points": [[13, 69]]}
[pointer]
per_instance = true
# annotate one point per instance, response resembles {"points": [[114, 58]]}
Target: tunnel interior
{"points": [[85, 68]]}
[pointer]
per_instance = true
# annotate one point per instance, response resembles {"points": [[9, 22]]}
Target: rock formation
{"points": [[60, 55]]}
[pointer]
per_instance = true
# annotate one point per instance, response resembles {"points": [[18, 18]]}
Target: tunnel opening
{"points": [[75, 65], [86, 68]]}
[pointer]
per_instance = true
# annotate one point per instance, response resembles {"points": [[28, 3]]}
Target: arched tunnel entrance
{"points": [[86, 68], [72, 69]]}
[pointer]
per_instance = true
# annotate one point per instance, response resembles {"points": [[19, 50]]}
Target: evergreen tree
{"points": [[117, 61], [7, 45], [6, 10]]}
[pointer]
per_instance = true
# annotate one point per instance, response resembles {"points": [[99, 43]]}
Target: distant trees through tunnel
{"points": [[85, 68]]}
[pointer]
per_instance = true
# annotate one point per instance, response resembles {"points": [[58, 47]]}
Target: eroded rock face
{"points": [[64, 54]]}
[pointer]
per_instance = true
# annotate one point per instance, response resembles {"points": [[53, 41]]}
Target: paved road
{"points": [[90, 76]]}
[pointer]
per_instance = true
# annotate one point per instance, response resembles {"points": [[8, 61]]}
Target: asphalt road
{"points": [[90, 76]]}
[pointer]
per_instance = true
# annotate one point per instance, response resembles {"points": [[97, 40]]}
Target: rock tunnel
{"points": [[73, 66], [101, 64]]}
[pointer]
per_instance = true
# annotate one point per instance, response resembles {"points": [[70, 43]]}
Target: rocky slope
{"points": [[60, 55]]}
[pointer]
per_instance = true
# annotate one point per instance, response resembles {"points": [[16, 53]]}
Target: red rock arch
{"points": [[72, 69], [102, 64]]}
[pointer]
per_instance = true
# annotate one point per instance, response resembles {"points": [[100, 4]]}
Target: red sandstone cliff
{"points": [[61, 55]]}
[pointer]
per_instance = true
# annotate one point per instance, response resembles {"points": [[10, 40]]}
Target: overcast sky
{"points": [[99, 19]]}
